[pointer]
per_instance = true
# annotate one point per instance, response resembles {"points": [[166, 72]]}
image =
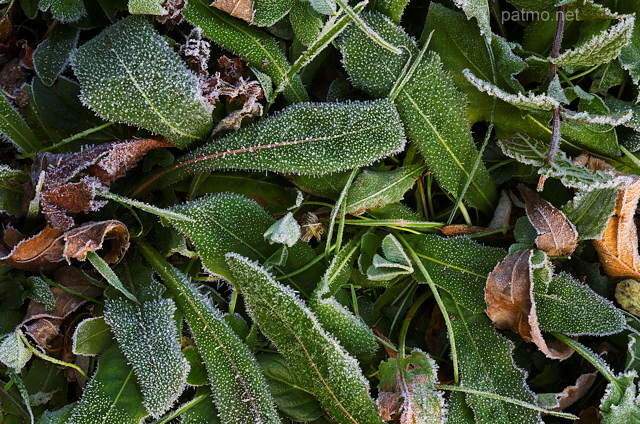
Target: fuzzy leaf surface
{"points": [[64, 10], [53, 54], [479, 9], [92, 337], [589, 211], [146, 7], [392, 8]]}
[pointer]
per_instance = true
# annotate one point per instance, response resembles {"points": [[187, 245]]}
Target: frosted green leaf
{"points": [[129, 74], [52, 56], [323, 366], [530, 102], [621, 408], [534, 5], [478, 9], [112, 394], [588, 9], [285, 231], [14, 129], [268, 12], [486, 364], [148, 337], [306, 22], [64, 10], [59, 416], [453, 265], [325, 7], [407, 389], [162, 213], [395, 261], [392, 8], [572, 308], [534, 152], [339, 270], [40, 292], [589, 211], [259, 49], [147, 7], [202, 412], [431, 108], [239, 388], [13, 353], [11, 190], [630, 54], [105, 270], [588, 118], [555, 91], [601, 48], [373, 190], [92, 337]]}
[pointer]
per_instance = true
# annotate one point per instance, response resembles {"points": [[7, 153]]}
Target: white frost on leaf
{"points": [[286, 231], [588, 118], [13, 353]]}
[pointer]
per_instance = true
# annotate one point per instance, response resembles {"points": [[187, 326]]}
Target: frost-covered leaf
{"points": [[372, 190], [628, 295], [394, 262], [306, 22], [589, 211], [11, 190], [621, 401], [601, 48], [258, 48], [324, 367], [453, 265], [326, 7], [394, 9], [531, 102], [239, 389], [92, 337], [14, 129], [128, 73], [431, 108], [53, 54], [105, 270], [112, 394], [588, 118], [146, 7], [285, 231], [64, 10], [486, 364], [407, 390], [148, 336], [479, 9], [40, 291], [630, 54], [13, 353]]}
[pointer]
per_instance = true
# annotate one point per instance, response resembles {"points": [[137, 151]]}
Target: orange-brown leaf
{"points": [[242, 9]]}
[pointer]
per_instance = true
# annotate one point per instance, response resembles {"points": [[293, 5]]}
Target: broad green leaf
{"points": [[392, 8], [13, 353], [306, 138], [148, 336], [268, 12], [147, 7], [128, 73], [601, 48], [622, 408], [92, 337], [52, 56], [112, 395], [323, 366], [453, 265], [239, 388], [432, 110], [486, 364], [306, 22], [14, 129], [589, 211], [572, 308], [294, 401], [373, 190], [478, 9], [285, 231], [253, 45], [64, 10]]}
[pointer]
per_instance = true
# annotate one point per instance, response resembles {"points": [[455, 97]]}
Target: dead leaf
{"points": [[52, 248], [509, 295], [242, 9], [43, 325], [99, 166], [571, 394], [557, 236]]}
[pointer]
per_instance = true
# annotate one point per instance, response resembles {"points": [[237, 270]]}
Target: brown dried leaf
{"points": [[510, 305], [51, 248], [572, 393], [43, 325], [557, 236], [242, 9]]}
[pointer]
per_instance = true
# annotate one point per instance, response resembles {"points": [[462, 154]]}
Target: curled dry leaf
{"points": [[557, 236], [98, 167], [42, 325], [510, 304], [572, 393], [242, 9], [52, 248]]}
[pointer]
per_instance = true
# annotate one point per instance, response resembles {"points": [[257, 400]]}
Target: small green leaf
{"points": [[306, 22], [323, 366], [52, 56], [105, 270], [392, 8], [478, 9], [285, 231], [147, 7], [325, 7], [589, 211], [92, 337], [112, 394], [13, 353], [630, 54], [64, 10], [128, 73], [14, 129], [395, 261], [268, 12]]}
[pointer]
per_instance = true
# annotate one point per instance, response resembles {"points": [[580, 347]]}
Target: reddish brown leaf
{"points": [[242, 9], [510, 305], [572, 393], [557, 236], [52, 248]]}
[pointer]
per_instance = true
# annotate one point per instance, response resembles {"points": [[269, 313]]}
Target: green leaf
{"points": [[147, 7], [40, 292], [432, 110], [478, 9], [52, 56], [306, 22], [13, 353], [453, 265], [323, 366], [60, 416], [589, 211], [326, 7], [601, 48], [92, 337], [395, 261], [202, 412], [373, 190], [621, 408], [285, 231], [268, 12], [105, 270], [392, 8], [572, 308], [14, 129], [251, 44], [111, 395], [487, 365], [128, 73], [239, 388], [64, 10], [630, 54], [294, 401]]}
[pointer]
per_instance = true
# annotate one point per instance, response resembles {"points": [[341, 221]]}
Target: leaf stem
{"points": [[407, 320], [553, 72], [334, 213]]}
